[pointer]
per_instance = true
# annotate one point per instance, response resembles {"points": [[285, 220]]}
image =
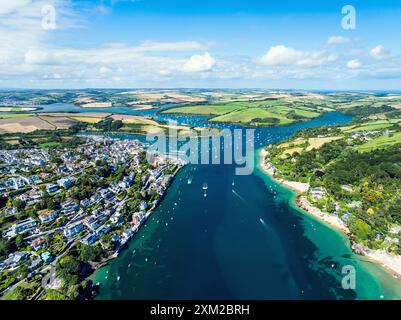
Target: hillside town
{"points": [[94, 196]]}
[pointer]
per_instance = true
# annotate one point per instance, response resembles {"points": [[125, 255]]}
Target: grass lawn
{"points": [[382, 141]]}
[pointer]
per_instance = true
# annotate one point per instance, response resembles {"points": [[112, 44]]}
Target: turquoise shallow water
{"points": [[245, 240]]}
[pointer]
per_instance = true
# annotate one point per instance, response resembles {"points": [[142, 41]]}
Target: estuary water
{"points": [[245, 240]]}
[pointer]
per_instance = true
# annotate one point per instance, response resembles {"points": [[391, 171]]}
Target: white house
{"points": [[47, 216]]}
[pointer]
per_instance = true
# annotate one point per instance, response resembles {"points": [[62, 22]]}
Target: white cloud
{"points": [[171, 46], [31, 56], [101, 9], [282, 55], [336, 40], [165, 72], [377, 52], [7, 7], [199, 63], [115, 53], [383, 73], [354, 64], [104, 70]]}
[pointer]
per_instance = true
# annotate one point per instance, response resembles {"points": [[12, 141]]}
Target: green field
{"points": [[306, 113], [214, 109], [249, 115], [380, 142], [371, 126], [221, 108], [257, 113], [87, 119], [50, 144]]}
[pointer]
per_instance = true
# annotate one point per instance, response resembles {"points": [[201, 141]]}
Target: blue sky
{"points": [[172, 43]]}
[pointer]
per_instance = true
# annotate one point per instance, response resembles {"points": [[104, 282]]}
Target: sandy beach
{"points": [[332, 220], [390, 262], [298, 187]]}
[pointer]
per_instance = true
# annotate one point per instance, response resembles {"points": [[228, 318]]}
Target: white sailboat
{"points": [[205, 187]]}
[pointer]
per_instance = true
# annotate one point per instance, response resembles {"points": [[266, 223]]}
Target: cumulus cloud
{"points": [[354, 64], [199, 63], [30, 56], [282, 55], [377, 52], [28, 53], [336, 40]]}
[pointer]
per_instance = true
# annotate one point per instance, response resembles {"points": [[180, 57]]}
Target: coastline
{"points": [[105, 262], [298, 187], [389, 262]]}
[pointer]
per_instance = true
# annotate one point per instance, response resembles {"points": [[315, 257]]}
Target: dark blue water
{"points": [[245, 240]]}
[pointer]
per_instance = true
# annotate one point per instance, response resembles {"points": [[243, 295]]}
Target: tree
{"points": [[68, 269], [115, 125], [5, 247], [9, 203], [19, 241], [73, 292], [89, 253]]}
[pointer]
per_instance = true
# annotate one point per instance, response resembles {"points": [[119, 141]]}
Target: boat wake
{"points": [[235, 192], [265, 225]]}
